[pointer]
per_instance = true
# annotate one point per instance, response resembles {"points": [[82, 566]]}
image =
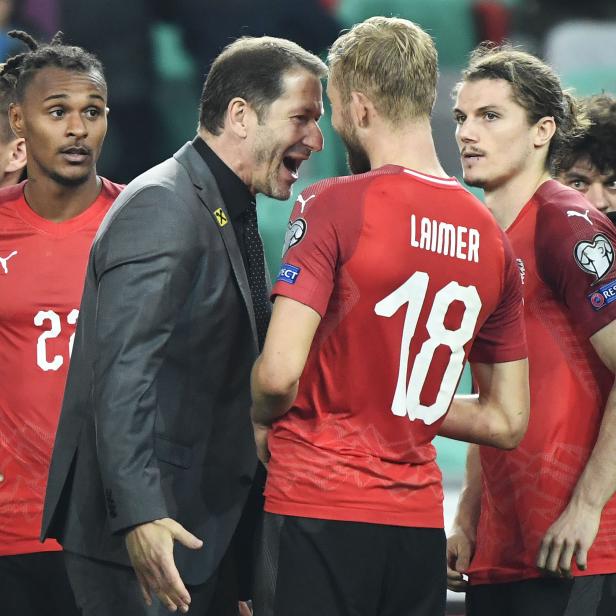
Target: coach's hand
{"points": [[460, 549], [571, 535], [244, 609], [261, 432], [150, 548]]}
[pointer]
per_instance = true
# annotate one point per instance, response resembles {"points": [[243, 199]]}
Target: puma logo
{"points": [[3, 261], [571, 213], [303, 201]]}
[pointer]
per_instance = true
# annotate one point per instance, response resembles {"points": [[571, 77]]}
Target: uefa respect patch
{"points": [[603, 296], [288, 273]]}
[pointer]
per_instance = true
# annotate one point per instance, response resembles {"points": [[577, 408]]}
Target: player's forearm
{"points": [[456, 424], [597, 482], [499, 415], [273, 393], [469, 502], [474, 420]]}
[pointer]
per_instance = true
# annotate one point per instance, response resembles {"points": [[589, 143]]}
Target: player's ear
{"points": [[361, 109], [16, 119], [17, 156], [544, 131]]}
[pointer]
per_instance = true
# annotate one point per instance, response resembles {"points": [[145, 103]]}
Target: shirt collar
{"points": [[233, 191]]}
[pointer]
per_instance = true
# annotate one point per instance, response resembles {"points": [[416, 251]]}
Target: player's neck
{"points": [[410, 146], [507, 200], [58, 203]]}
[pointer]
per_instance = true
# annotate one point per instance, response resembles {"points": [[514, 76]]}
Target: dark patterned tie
{"points": [[256, 273]]}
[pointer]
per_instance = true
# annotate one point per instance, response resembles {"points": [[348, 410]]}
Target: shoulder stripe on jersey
{"points": [[429, 178]]}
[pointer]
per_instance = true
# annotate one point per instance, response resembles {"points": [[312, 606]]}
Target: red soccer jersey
{"points": [[565, 249], [42, 270], [407, 270]]}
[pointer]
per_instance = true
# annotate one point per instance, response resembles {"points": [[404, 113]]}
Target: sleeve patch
{"points": [[595, 257], [603, 296], [296, 231], [288, 273]]}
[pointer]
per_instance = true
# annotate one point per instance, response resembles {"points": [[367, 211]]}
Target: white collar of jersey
{"points": [[429, 178]]}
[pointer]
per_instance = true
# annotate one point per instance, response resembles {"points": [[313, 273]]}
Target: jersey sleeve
{"points": [[502, 337], [310, 253], [574, 250]]}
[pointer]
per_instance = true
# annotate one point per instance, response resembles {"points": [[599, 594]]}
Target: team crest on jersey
{"points": [[603, 296], [296, 231], [595, 257], [522, 269]]}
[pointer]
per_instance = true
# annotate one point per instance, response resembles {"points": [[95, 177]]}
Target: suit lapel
{"points": [[209, 195]]}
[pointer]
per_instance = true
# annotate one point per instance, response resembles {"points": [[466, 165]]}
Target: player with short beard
{"points": [[390, 280]]}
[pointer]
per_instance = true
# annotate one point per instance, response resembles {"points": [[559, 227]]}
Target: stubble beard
{"points": [[474, 182], [69, 181], [264, 153], [357, 158], [63, 180]]}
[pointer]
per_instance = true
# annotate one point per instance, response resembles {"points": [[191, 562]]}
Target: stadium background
{"points": [[156, 53]]}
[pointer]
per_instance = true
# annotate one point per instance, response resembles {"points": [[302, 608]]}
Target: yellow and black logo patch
{"points": [[221, 217]]}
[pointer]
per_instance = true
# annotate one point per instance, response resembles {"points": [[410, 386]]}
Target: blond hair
{"points": [[390, 60]]}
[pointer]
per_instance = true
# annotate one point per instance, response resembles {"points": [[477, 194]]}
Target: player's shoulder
{"points": [[11, 198], [111, 189], [563, 212], [566, 225], [557, 203], [330, 198], [332, 188], [12, 193], [348, 191]]}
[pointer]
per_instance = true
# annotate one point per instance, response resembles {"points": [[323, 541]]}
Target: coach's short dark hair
{"points": [[537, 88], [19, 70], [599, 142], [251, 68]]}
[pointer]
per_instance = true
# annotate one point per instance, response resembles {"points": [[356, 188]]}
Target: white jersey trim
{"points": [[429, 178]]}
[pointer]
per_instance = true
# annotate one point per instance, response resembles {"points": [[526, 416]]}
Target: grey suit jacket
{"points": [[155, 419]]}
